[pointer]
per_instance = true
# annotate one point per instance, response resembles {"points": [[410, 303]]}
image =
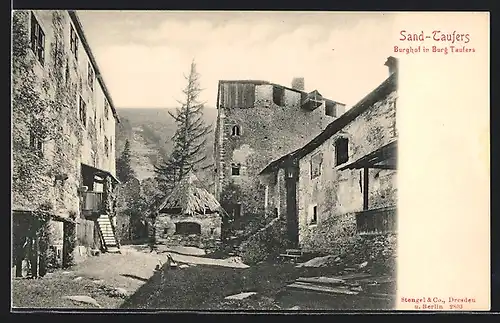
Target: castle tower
{"points": [[258, 122]]}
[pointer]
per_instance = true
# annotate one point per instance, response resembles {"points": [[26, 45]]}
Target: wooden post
{"points": [[365, 188]]}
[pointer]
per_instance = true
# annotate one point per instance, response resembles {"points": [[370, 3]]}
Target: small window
{"points": [[278, 95], [83, 111], [314, 218], [36, 144], [106, 108], [90, 76], [165, 230], [330, 109], [106, 146], [37, 40], [235, 169], [316, 163], [236, 131], [341, 151], [73, 42], [111, 144]]}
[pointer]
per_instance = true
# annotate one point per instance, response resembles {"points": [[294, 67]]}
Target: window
{"points": [[37, 40], [314, 218], [236, 131], [73, 42], [111, 144], [82, 109], [330, 109], [91, 76], [235, 169], [187, 228], [106, 108], [106, 146], [165, 230], [316, 162], [36, 144], [278, 95], [341, 151]]}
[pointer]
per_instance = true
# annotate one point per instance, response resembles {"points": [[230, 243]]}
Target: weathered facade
{"points": [[342, 182], [257, 122], [63, 123]]}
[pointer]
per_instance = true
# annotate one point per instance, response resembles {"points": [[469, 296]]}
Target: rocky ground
{"points": [[131, 280]]}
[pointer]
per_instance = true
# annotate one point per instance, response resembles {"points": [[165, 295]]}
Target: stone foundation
{"points": [[200, 231]]}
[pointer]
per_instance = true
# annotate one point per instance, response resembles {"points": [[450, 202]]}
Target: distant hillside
{"points": [[150, 131]]}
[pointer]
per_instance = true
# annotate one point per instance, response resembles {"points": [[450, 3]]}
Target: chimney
{"points": [[392, 63], [298, 83]]}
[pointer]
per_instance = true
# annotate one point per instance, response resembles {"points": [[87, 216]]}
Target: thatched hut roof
{"points": [[190, 197]]}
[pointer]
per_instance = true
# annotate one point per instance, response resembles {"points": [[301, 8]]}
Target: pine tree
{"points": [[189, 139], [123, 166]]}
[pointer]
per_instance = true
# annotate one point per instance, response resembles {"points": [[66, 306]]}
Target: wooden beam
{"points": [[365, 188], [390, 167]]}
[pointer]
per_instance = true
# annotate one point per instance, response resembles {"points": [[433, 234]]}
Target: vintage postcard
{"points": [[250, 161]]}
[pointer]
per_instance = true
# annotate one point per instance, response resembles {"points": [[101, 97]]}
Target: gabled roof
{"points": [[191, 198], [383, 90]]}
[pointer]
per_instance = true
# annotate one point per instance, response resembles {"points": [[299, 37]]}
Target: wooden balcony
{"points": [[92, 203], [376, 221]]}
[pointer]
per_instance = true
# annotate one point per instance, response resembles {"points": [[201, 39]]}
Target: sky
{"points": [[144, 55]]}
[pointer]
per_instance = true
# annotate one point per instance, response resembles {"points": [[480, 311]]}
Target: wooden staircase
{"points": [[108, 236]]}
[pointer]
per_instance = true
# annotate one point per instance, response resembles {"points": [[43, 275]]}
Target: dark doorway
{"points": [[291, 207], [187, 228]]}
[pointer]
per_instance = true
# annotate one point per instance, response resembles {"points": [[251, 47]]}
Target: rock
{"points": [[98, 281], [83, 299], [66, 272], [77, 279], [357, 288], [183, 266], [120, 292], [338, 259], [294, 308], [317, 262], [241, 295], [363, 265]]}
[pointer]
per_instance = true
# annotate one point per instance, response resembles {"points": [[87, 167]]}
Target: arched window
{"points": [[236, 130], [341, 151], [235, 169]]}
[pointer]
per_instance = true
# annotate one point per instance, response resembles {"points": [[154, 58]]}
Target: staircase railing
{"points": [[104, 247], [114, 231]]}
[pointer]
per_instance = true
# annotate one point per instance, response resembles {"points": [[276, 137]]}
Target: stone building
{"points": [[189, 216], [257, 122], [343, 182], [63, 134]]}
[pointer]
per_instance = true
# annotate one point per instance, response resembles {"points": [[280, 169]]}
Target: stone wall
{"points": [[210, 230], [336, 193], [56, 87], [45, 105], [268, 131]]}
